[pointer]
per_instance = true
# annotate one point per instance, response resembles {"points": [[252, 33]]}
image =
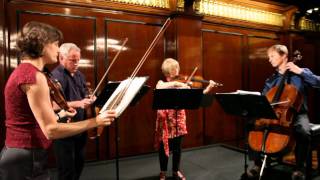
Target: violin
{"points": [[194, 82], [55, 90]]}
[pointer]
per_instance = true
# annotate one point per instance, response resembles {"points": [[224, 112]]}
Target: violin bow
{"points": [[192, 74], [113, 60], [141, 62]]}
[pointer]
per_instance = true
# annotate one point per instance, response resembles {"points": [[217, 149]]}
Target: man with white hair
{"points": [[70, 152]]}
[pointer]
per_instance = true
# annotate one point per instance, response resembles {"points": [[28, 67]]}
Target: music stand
{"points": [[110, 87], [246, 106], [180, 99], [102, 99]]}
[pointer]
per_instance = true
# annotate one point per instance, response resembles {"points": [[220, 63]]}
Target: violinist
{"points": [[171, 124], [31, 122], [73, 86], [278, 58]]}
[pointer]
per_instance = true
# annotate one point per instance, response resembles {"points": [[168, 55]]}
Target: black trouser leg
{"points": [[163, 158], [176, 153], [70, 156], [175, 147], [80, 156], [303, 140]]}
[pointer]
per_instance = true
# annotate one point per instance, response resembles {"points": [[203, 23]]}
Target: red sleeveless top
{"points": [[22, 129]]}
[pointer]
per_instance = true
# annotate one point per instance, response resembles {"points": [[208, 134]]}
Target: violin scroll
{"points": [[297, 56]]}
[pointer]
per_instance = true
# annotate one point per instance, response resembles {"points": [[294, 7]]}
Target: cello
{"points": [[274, 136]]}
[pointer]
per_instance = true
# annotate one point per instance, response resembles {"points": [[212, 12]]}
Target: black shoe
{"points": [[298, 175]]}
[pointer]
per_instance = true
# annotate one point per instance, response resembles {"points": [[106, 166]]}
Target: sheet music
{"points": [[243, 92], [134, 86]]}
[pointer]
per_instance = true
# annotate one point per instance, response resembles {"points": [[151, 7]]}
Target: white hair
{"points": [[66, 47]]}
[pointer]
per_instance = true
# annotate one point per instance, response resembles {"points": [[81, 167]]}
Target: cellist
{"points": [[278, 58]]}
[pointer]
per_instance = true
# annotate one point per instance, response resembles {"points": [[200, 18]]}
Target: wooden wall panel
{"points": [[137, 124], [189, 56], [222, 56]]}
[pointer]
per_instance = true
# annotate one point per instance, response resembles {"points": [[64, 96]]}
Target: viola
{"points": [[56, 91]]}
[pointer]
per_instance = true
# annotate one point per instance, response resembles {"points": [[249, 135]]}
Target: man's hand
{"points": [[293, 68]]}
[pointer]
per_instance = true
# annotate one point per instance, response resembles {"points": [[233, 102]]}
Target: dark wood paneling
{"points": [[222, 56], [189, 56], [137, 124]]}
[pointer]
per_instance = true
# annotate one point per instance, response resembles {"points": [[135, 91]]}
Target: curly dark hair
{"points": [[34, 36]]}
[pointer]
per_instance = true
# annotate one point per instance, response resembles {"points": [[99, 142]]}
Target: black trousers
{"points": [[175, 147], [70, 156], [23, 164]]}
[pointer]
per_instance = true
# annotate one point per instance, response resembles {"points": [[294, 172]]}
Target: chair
{"points": [[315, 146]]}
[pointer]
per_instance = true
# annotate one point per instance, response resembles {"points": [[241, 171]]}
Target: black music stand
{"points": [[102, 99], [180, 99], [246, 106]]}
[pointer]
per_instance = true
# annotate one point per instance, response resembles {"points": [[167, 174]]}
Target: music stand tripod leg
{"points": [[117, 139], [245, 175], [246, 147], [263, 166], [263, 150]]}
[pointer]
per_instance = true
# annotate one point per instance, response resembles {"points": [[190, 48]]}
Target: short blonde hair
{"points": [[280, 49], [168, 65]]}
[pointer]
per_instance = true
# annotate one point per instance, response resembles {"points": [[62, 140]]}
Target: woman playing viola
{"points": [[170, 123], [30, 122]]}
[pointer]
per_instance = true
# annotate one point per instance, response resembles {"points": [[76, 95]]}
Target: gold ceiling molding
{"points": [[240, 12], [308, 25], [150, 3]]}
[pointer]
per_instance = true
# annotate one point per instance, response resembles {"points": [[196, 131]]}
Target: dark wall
{"points": [[234, 56]]}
